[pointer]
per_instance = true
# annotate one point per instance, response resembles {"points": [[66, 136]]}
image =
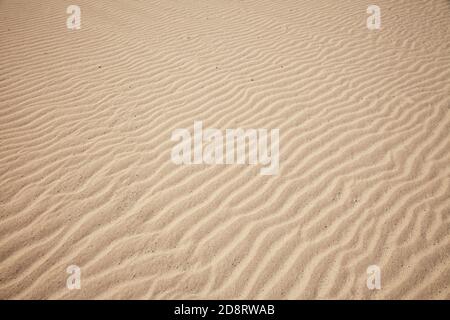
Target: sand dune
{"points": [[86, 176]]}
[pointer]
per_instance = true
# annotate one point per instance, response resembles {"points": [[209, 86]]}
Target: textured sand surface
{"points": [[86, 177]]}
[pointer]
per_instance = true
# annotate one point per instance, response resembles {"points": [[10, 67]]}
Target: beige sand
{"points": [[86, 177]]}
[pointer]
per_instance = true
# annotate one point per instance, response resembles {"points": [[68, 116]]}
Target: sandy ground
{"points": [[86, 176]]}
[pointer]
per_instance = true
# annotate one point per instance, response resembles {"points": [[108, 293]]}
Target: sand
{"points": [[86, 176]]}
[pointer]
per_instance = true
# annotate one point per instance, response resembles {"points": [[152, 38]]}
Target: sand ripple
{"points": [[85, 171]]}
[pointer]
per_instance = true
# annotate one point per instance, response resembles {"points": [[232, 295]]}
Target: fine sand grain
{"points": [[86, 176]]}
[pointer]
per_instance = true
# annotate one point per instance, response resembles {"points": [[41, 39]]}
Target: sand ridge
{"points": [[86, 177]]}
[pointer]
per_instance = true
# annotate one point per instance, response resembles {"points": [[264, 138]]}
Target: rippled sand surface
{"points": [[86, 176]]}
